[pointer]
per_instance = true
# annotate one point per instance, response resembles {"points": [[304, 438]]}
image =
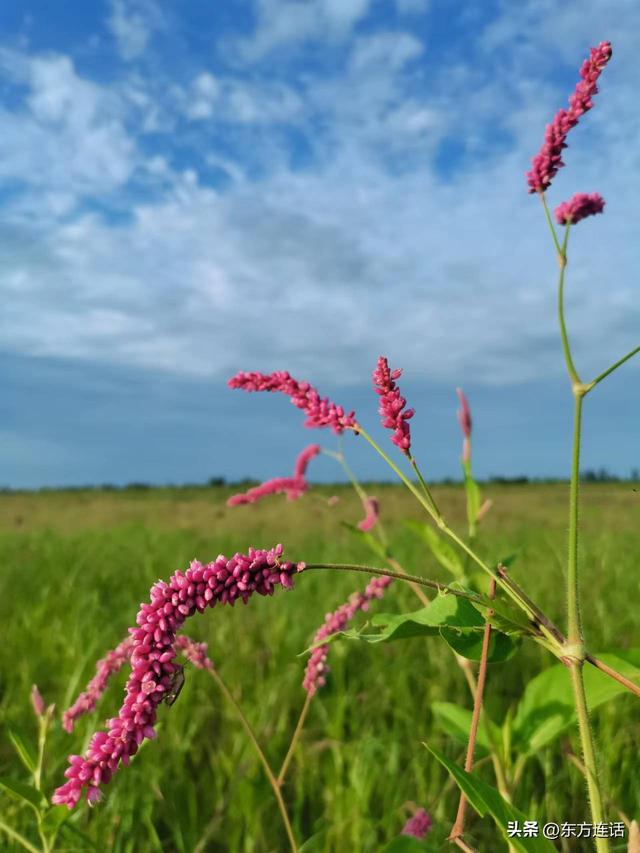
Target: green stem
{"points": [[263, 759], [361, 493], [550, 224], [425, 487], [294, 739], [420, 497], [588, 752], [573, 598], [17, 837], [613, 367], [562, 259]]}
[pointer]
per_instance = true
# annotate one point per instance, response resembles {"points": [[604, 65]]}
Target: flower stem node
{"points": [[573, 653], [581, 388]]}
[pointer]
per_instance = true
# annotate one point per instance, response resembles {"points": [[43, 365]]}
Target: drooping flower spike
{"points": [[579, 207], [315, 674], [113, 662], [545, 165], [392, 404], [293, 487], [320, 411], [153, 653]]}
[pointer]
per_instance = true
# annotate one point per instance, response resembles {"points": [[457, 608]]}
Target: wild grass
{"points": [[75, 565]]}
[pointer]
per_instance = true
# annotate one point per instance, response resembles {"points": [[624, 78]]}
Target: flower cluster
{"points": [[153, 655], [546, 163], [320, 411], [392, 404], [418, 825], [113, 662], [372, 510], [317, 669], [294, 487], [579, 207]]}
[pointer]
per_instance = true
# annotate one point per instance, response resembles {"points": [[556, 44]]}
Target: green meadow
{"points": [[76, 565]]}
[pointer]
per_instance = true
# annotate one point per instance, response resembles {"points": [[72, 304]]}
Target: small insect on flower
{"points": [[177, 683]]}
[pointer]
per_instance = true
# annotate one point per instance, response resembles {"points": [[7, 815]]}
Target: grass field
{"points": [[76, 565]]}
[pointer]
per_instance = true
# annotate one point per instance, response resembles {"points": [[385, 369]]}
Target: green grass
{"points": [[75, 567]]}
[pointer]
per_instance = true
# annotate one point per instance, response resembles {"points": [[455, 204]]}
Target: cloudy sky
{"points": [[190, 189]]}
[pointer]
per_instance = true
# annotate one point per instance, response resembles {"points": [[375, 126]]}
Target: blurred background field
{"points": [[75, 565]]}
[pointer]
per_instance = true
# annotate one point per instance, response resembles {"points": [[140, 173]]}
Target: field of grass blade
{"points": [[74, 567]]}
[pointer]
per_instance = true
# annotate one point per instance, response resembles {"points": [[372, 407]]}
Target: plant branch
{"points": [[613, 367], [294, 739], [263, 759], [612, 673]]}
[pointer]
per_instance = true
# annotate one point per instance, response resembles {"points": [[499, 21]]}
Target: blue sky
{"points": [[190, 189]]}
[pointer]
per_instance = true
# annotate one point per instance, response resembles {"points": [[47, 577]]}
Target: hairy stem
{"points": [[458, 827], [612, 673], [259, 752]]}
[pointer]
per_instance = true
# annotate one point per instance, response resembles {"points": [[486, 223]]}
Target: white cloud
{"points": [[367, 249], [69, 140], [288, 23], [132, 23]]}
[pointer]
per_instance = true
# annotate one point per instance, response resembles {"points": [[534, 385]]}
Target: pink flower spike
{"points": [[579, 207], [37, 702], [545, 165], [464, 418], [304, 457], [392, 404], [315, 674], [153, 648], [320, 411], [418, 825], [371, 508], [293, 487]]}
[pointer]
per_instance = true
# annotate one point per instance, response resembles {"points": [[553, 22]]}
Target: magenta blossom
{"points": [[153, 652], [372, 509], [579, 207], [546, 163], [392, 404], [293, 487], [418, 825], [320, 411], [37, 702], [317, 669], [113, 662]]}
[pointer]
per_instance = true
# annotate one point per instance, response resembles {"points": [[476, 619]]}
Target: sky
{"points": [[191, 189]]}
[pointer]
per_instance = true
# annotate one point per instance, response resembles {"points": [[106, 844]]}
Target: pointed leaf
{"points": [[21, 791], [468, 644], [547, 708], [22, 747], [486, 800], [373, 544]]}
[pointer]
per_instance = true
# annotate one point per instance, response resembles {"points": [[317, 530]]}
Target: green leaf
{"points": [[444, 611], [22, 747], [444, 553], [547, 706], [371, 541], [486, 799], [23, 792], [456, 722], [468, 644], [315, 844], [54, 818]]}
